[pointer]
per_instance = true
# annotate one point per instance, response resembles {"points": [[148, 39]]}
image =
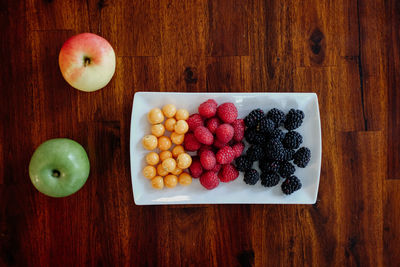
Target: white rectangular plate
{"points": [[236, 192]]}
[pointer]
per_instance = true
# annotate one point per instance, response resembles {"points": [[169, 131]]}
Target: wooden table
{"points": [[345, 51]]}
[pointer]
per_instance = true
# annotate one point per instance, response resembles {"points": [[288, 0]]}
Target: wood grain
{"points": [[360, 223], [391, 232], [271, 49], [391, 79], [347, 51], [184, 45], [228, 28]]}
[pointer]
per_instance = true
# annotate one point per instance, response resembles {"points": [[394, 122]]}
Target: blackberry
{"points": [[288, 154], [253, 118], [302, 157], [277, 134], [290, 185], [243, 163], [254, 137], [294, 119], [255, 152], [268, 165], [251, 177], [269, 179], [265, 125], [277, 116], [292, 140], [274, 150], [286, 169]]}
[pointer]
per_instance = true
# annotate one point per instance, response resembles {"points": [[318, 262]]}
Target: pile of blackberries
{"points": [[274, 148]]}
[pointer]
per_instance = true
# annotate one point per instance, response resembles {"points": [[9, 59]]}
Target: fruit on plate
{"points": [[176, 171], [87, 62], [216, 134], [150, 142], [152, 158], [177, 139], [209, 180], [161, 171], [274, 149], [177, 150], [157, 182], [165, 155], [181, 127], [158, 129], [155, 116], [164, 143], [169, 110], [184, 160], [182, 114], [59, 167], [170, 180], [149, 172], [185, 179], [170, 124], [170, 164]]}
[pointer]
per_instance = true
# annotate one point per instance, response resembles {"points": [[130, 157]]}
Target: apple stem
{"points": [[86, 61], [56, 173]]}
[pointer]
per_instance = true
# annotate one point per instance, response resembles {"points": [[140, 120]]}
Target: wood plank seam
{"points": [[360, 70]]}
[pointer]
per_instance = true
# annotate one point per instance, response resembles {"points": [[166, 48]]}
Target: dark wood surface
{"points": [[348, 52]]}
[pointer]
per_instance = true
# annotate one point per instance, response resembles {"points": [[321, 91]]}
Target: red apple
{"points": [[87, 62]]}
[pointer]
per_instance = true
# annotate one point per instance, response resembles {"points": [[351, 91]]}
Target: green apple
{"points": [[59, 167]]}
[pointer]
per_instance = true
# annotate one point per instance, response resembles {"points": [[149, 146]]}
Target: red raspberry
{"points": [[208, 160], [216, 168], [238, 148], [208, 109], [238, 128], [228, 173], [209, 180], [224, 133], [212, 101], [203, 135], [227, 112], [204, 148], [225, 155], [195, 168], [218, 144], [212, 124], [194, 121], [191, 143]]}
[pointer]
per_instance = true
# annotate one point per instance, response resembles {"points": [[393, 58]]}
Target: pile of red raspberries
{"points": [[216, 134]]}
